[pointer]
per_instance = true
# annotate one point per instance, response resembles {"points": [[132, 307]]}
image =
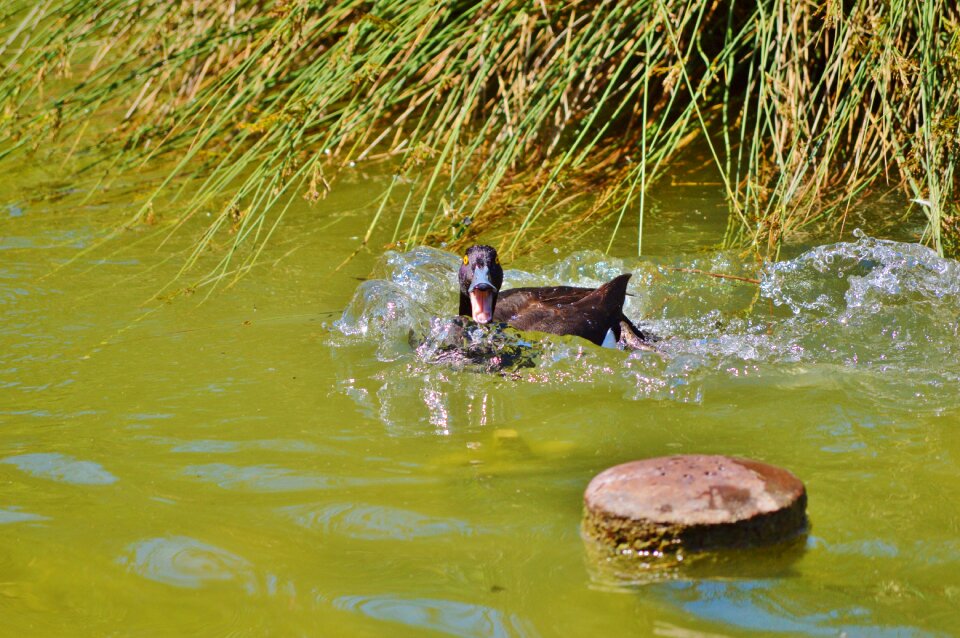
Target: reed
{"points": [[529, 117]]}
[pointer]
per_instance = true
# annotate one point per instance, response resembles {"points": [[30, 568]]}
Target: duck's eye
{"points": [[466, 260]]}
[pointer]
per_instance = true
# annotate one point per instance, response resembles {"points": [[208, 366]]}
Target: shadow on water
{"points": [[735, 588], [623, 572]]}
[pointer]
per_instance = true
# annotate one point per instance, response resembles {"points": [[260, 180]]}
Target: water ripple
{"points": [[267, 478], [258, 478], [373, 522], [186, 562], [61, 468], [211, 446], [446, 616], [749, 605], [14, 515]]}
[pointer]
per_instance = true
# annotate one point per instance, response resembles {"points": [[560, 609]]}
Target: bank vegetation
{"points": [[538, 118]]}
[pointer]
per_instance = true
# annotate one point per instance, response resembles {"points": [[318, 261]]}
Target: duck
{"points": [[595, 314]]}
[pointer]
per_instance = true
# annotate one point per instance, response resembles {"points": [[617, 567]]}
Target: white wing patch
{"points": [[609, 341]]}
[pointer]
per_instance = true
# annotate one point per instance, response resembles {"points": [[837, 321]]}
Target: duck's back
{"points": [[566, 310], [517, 301]]}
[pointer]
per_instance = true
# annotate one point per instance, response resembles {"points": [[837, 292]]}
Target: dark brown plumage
{"points": [[590, 313]]}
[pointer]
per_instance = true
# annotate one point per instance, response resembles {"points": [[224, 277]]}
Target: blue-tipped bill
{"points": [[481, 293]]}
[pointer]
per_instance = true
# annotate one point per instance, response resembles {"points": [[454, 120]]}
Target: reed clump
{"points": [[497, 114]]}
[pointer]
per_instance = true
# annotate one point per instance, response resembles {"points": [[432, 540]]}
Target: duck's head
{"points": [[480, 280]]}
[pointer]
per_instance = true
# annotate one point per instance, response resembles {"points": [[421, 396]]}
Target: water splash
{"points": [[863, 277], [876, 304], [879, 310], [465, 345]]}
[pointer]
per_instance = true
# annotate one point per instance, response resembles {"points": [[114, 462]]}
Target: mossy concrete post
{"points": [[693, 502]]}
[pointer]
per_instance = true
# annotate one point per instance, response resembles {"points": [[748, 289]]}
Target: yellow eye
{"points": [[466, 260], [497, 260]]}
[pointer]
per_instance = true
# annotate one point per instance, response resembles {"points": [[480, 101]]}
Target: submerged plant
{"points": [[532, 118]]}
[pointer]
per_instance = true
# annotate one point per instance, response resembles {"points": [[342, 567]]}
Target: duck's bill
{"points": [[481, 304]]}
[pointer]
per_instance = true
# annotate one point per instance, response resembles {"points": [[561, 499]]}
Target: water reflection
{"points": [[763, 378], [445, 616], [211, 446], [258, 478], [269, 478], [406, 399], [10, 515], [226, 446], [611, 571], [751, 589], [61, 468], [753, 605], [187, 562], [373, 522], [872, 548]]}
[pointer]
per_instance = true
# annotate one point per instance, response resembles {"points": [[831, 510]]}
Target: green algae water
{"points": [[277, 458]]}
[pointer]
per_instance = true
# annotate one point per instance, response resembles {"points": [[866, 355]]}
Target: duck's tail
{"points": [[611, 295]]}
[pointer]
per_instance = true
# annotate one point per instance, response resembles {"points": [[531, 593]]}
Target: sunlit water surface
{"points": [[287, 457]]}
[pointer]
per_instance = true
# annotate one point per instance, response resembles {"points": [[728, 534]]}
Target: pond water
{"points": [[276, 459]]}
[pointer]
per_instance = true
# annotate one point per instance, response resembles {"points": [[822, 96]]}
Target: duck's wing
{"points": [[544, 309], [564, 310], [516, 302], [535, 316]]}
